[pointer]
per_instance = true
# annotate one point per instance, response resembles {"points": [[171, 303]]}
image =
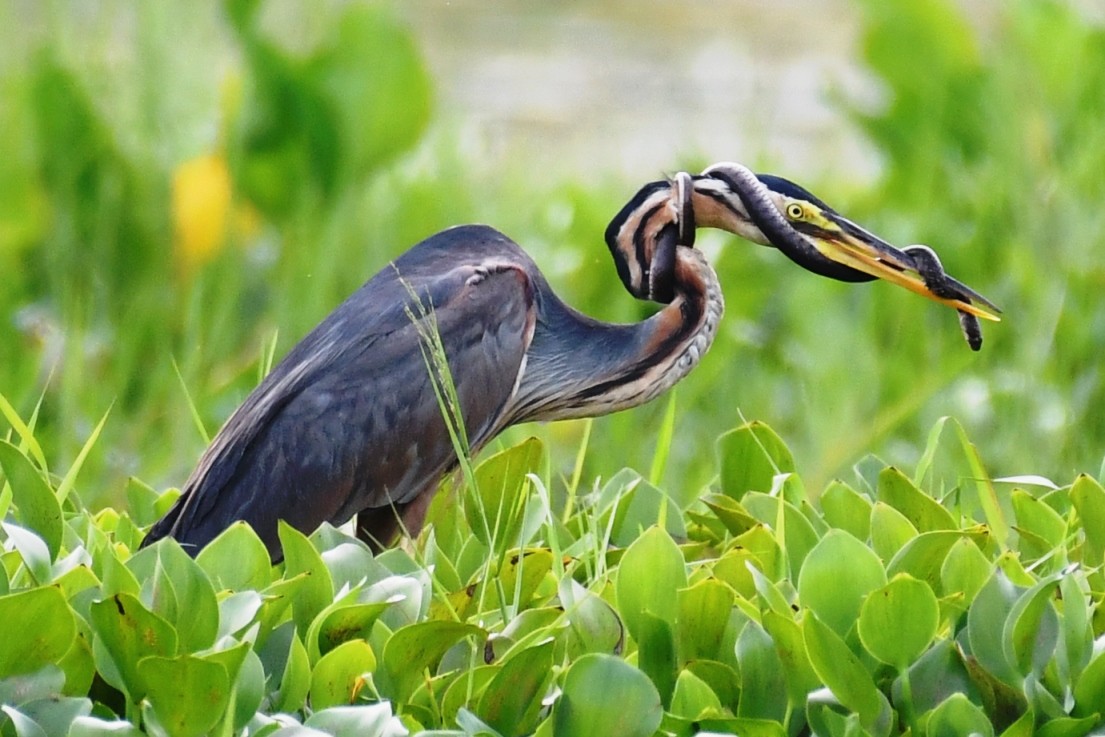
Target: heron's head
{"points": [[773, 211]]}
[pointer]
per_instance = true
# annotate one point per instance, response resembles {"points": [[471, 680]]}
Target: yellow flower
{"points": [[201, 208]]}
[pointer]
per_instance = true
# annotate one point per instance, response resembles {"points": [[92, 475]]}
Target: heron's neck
{"points": [[580, 367]]}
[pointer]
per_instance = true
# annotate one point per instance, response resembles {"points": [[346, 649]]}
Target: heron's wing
{"points": [[350, 419]]}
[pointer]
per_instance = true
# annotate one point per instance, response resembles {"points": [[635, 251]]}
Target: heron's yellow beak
{"points": [[844, 242]]}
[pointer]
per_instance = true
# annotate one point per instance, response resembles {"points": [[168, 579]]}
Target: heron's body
{"points": [[349, 420]]}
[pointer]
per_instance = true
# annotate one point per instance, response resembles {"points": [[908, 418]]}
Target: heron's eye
{"points": [[795, 211]]}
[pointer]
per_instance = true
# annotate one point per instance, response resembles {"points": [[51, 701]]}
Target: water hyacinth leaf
{"points": [[923, 556], [965, 569], [838, 573], [511, 702], [842, 672], [1038, 518], [21, 724], [295, 677], [317, 591], [522, 573], [1031, 630], [38, 508], [32, 550], [791, 648], [340, 623], [693, 698], [41, 630], [130, 632], [496, 515], [935, 676], [957, 716], [188, 694], [593, 625], [798, 535], [416, 647], [197, 617], [656, 654], [336, 677], [1088, 498], [237, 559], [54, 715], [727, 509], [898, 621], [763, 683], [603, 695], [890, 530], [650, 574], [1077, 633], [642, 507], [368, 720], [1089, 688], [749, 458], [770, 595], [87, 726], [922, 511], [992, 606], [47, 682], [703, 614], [845, 508]]}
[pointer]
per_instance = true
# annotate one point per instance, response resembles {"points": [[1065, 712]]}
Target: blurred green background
{"points": [[182, 184]]}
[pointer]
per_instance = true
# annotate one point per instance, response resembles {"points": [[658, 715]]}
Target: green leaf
{"points": [[188, 694], [1077, 633], [656, 654], [196, 618], [337, 675], [793, 528], [318, 590], [295, 677], [898, 621], [847, 509], [703, 615], [38, 508], [791, 647], [342, 622], [844, 674], [957, 716], [1038, 518], [511, 702], [367, 720], [593, 625], [965, 569], [923, 556], [749, 458], [649, 577], [1089, 689], [40, 630], [416, 647], [922, 511], [237, 559], [838, 573], [987, 495], [1031, 630], [130, 632], [693, 698], [730, 512], [986, 617], [496, 515], [1088, 498], [94, 727], [763, 692], [54, 715], [602, 696], [890, 530]]}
